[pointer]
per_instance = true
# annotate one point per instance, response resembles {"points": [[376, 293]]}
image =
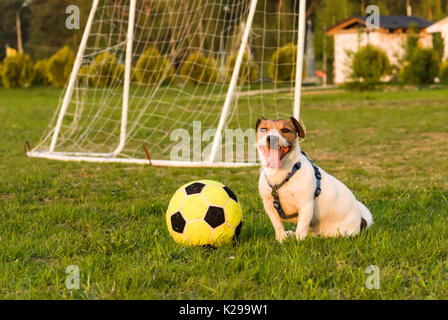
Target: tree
{"points": [[48, 31], [13, 31], [327, 14]]}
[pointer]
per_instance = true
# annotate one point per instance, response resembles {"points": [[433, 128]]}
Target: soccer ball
{"points": [[204, 213]]}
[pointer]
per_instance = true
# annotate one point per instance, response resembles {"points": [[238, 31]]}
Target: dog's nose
{"points": [[272, 141]]}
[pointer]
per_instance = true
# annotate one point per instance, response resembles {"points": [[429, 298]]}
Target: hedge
{"points": [[60, 67], [444, 73], [105, 70], [17, 71], [248, 70], [41, 73], [422, 67], [369, 65], [199, 69], [282, 66], [152, 68]]}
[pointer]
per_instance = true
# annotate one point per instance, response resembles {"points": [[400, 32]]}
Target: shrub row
{"points": [[283, 64], [369, 66], [18, 71], [151, 68], [420, 66]]}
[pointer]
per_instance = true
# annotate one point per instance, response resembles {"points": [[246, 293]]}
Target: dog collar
{"points": [[316, 174], [277, 205]]}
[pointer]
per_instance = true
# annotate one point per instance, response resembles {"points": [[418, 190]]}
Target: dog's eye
{"points": [[285, 130], [263, 129]]}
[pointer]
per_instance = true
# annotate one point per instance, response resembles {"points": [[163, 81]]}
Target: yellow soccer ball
{"points": [[204, 213]]}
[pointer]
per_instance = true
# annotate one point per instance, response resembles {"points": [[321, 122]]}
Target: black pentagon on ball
{"points": [[178, 222], [238, 231], [194, 188], [215, 216], [230, 193]]}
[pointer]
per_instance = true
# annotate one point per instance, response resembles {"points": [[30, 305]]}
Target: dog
{"points": [[295, 190]]}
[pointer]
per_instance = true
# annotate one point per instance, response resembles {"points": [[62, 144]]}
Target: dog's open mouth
{"points": [[274, 156]]}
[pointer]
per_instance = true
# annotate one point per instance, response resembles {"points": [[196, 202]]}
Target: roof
{"points": [[390, 23], [437, 27]]}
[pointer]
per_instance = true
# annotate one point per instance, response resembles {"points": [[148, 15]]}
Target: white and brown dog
{"points": [[295, 190]]}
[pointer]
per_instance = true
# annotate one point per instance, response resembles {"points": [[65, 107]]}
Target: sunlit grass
{"points": [[390, 148]]}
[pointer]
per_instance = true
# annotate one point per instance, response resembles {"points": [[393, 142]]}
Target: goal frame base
{"points": [[109, 158]]}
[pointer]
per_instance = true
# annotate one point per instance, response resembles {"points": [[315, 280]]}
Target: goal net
{"points": [[187, 79]]}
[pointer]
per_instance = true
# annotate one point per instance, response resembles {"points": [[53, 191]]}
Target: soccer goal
{"points": [[178, 82]]}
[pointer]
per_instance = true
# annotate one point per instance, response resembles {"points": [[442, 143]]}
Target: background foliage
{"points": [[152, 67], [105, 70], [369, 66], [17, 71], [282, 66], [422, 67], [44, 32], [199, 69], [60, 66]]}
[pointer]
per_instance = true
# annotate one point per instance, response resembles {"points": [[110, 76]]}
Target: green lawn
{"points": [[390, 148]]}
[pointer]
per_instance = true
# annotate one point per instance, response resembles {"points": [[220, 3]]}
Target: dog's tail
{"points": [[365, 215]]}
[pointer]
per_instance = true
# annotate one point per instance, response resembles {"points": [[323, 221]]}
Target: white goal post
{"points": [[208, 62]]}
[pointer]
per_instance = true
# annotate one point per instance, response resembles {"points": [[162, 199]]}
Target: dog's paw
{"points": [[301, 235], [283, 235], [280, 236], [290, 233]]}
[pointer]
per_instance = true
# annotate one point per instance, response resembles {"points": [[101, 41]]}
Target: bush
{"points": [[248, 70], [444, 73], [84, 75], [60, 67], [17, 71], [369, 65], [198, 69], [105, 70], [438, 44], [152, 68], [119, 73], [282, 66], [412, 38], [422, 67], [41, 73]]}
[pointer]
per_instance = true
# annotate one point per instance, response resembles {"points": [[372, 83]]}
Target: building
{"points": [[352, 34], [442, 27]]}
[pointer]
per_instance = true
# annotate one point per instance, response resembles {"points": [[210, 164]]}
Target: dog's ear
{"points": [[258, 123], [298, 127]]}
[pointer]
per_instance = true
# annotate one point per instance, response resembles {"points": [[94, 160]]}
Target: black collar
{"points": [[294, 169]]}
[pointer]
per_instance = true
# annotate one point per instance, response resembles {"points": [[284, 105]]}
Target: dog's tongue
{"points": [[273, 160]]}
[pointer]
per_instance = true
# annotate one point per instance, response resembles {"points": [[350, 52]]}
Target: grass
{"points": [[390, 148]]}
